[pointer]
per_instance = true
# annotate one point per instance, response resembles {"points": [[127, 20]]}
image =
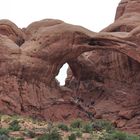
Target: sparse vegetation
{"points": [[26, 128], [63, 127], [30, 134], [54, 135], [99, 125], [88, 128], [78, 134], [14, 125], [76, 124], [4, 131], [19, 138], [72, 137], [117, 135]]}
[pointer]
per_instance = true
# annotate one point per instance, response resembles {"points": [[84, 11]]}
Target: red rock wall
{"points": [[105, 77], [116, 77]]}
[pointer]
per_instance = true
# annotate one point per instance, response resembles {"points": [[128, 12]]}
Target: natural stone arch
{"points": [[31, 68]]}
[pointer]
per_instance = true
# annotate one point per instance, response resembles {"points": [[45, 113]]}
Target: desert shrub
{"points": [[132, 137], [117, 135], [16, 138], [29, 134], [4, 131], [78, 134], [14, 125], [19, 138], [50, 127], [114, 136], [88, 128], [102, 124], [72, 136], [76, 124], [54, 135], [63, 127]]}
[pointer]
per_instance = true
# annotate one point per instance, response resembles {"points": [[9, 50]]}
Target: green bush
{"points": [[117, 135], [72, 137], [102, 124], [133, 137], [54, 135], [14, 125], [4, 131], [78, 134], [88, 128], [29, 134], [19, 138], [76, 124], [63, 127]]}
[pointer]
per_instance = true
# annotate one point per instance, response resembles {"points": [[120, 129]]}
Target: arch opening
{"points": [[62, 75]]}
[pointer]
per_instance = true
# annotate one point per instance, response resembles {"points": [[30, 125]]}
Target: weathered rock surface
{"points": [[104, 74], [29, 62], [112, 78]]}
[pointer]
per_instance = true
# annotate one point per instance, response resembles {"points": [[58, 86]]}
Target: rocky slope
{"points": [[103, 80]]}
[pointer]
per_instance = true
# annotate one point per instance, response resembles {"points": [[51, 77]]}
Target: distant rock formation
{"points": [[103, 78]]}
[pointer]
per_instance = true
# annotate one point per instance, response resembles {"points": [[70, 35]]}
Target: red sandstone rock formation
{"points": [[105, 69], [112, 79]]}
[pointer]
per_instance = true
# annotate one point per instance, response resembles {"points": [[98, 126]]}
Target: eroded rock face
{"points": [[104, 70], [112, 78], [30, 60]]}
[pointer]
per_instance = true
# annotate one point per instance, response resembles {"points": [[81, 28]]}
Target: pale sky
{"points": [[91, 14]]}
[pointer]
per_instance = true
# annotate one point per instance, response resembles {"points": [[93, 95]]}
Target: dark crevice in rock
{"points": [[20, 88]]}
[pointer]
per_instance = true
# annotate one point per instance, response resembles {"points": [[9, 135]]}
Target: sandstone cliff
{"points": [[103, 78], [112, 78]]}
